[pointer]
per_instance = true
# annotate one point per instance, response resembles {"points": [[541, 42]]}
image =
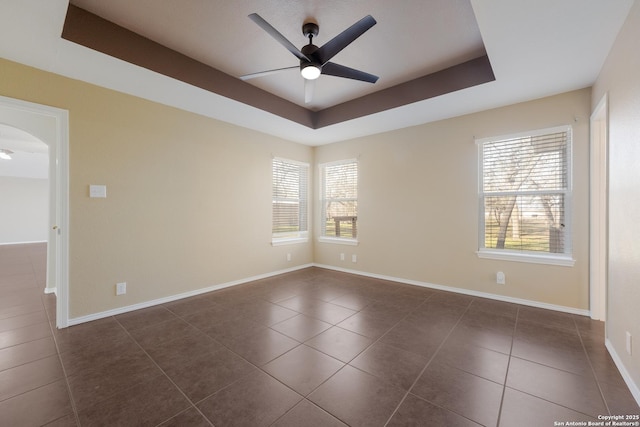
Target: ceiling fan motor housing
{"points": [[308, 51]]}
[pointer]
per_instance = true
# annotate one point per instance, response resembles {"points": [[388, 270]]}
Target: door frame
{"points": [[50, 125], [598, 210]]}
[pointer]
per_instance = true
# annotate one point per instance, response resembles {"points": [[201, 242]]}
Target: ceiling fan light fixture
{"points": [[310, 71]]}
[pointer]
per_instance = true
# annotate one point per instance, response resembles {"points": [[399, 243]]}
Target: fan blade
{"points": [[309, 87], [333, 69], [268, 72], [342, 40], [276, 35]]}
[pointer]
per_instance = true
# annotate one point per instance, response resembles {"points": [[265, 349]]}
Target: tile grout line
{"points": [[233, 382], [550, 367], [304, 398], [593, 371], [519, 320], [545, 399], [427, 365], [506, 374], [238, 355], [345, 363], [52, 328], [47, 320], [28, 342], [193, 405], [72, 401]]}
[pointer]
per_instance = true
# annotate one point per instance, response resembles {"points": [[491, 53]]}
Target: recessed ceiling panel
{"points": [[411, 39]]}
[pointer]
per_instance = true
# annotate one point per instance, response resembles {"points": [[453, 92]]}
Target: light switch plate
{"points": [[98, 191]]}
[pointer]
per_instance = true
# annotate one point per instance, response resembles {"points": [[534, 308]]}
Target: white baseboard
{"points": [[520, 301], [22, 243], [50, 291], [633, 387], [147, 304]]}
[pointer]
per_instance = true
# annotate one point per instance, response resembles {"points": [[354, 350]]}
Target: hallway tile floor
{"points": [[309, 348]]}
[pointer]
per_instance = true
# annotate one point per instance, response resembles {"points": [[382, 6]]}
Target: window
{"points": [[525, 196], [339, 192], [290, 181]]}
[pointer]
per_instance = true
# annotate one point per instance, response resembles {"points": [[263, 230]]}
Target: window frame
{"points": [[301, 236], [353, 241], [560, 259]]}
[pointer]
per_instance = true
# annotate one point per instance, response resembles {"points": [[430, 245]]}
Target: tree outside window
{"points": [[340, 199], [525, 192]]}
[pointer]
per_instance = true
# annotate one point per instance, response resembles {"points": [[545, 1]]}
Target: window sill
{"points": [[338, 240], [288, 241], [560, 259]]}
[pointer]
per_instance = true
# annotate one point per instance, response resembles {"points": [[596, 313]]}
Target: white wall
{"points": [[24, 210]]}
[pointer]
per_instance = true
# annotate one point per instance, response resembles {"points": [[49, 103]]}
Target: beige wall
{"points": [[189, 198], [188, 201], [620, 80], [418, 204], [24, 209]]}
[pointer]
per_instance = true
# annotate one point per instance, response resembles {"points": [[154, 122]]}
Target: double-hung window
{"points": [[525, 196], [290, 182], [339, 193]]}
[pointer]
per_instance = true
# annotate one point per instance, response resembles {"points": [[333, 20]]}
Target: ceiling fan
{"points": [[314, 60]]}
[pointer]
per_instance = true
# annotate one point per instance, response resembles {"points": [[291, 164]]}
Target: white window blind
{"points": [[290, 199], [340, 199], [525, 192]]}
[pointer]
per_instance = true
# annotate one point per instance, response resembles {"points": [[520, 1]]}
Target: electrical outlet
{"points": [[121, 288], [628, 342], [354, 258], [288, 257], [342, 257], [500, 279]]}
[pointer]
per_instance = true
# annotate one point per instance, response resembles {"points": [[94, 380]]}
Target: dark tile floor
{"points": [[309, 348]]}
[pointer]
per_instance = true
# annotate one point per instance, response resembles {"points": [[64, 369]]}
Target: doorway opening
{"points": [[24, 183], [49, 125]]}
